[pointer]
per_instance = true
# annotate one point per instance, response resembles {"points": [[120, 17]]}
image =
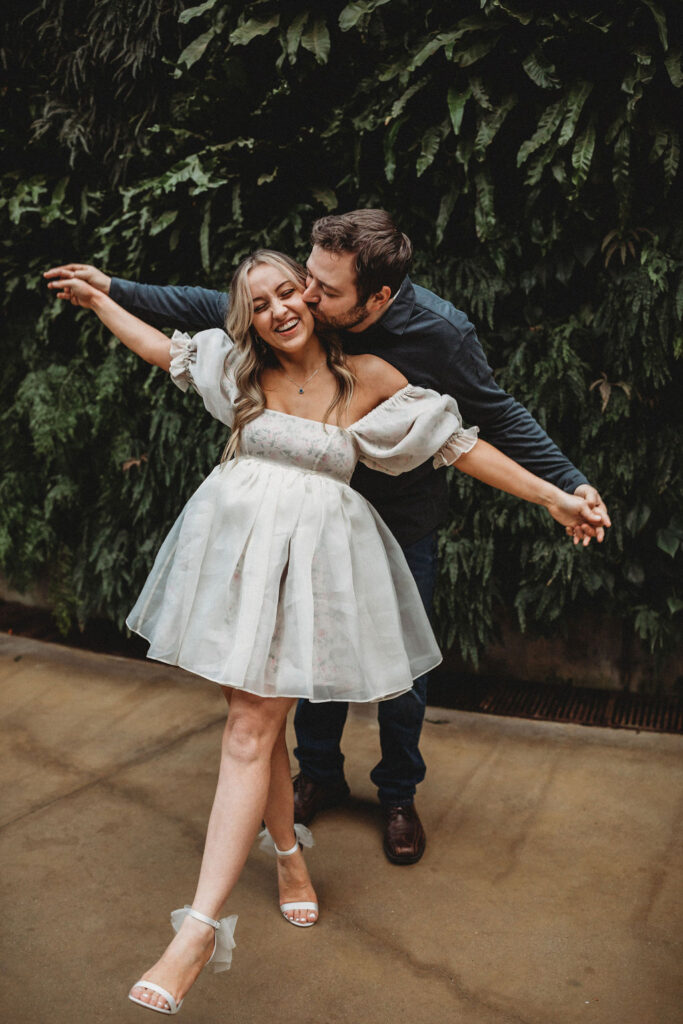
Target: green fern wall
{"points": [[531, 150]]}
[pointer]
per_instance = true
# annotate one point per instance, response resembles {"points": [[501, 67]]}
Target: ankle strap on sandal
{"points": [[287, 853], [202, 917], [304, 837]]}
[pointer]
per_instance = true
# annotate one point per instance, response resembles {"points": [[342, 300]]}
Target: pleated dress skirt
{"points": [[279, 579]]}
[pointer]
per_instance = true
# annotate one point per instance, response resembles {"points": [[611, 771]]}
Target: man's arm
{"points": [[172, 305], [188, 308]]}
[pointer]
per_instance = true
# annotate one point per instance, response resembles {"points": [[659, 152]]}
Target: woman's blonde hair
{"points": [[251, 354]]}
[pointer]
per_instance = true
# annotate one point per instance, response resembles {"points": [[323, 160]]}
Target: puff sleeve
{"points": [[409, 428], [203, 362]]}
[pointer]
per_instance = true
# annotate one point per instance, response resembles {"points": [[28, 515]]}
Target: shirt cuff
{"points": [[120, 290]]}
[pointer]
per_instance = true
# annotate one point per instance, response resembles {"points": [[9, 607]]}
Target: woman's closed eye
{"points": [[260, 307]]}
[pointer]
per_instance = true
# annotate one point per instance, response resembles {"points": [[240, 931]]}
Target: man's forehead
{"points": [[332, 266]]}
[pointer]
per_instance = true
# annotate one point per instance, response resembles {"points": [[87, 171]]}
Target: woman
{"points": [[278, 581]]}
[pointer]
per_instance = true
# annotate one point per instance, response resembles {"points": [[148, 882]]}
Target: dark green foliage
{"points": [[530, 150]]}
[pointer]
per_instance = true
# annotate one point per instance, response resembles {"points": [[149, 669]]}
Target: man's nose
{"points": [[309, 294]]}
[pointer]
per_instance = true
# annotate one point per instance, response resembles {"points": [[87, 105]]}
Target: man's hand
{"points": [[585, 532], [56, 277]]}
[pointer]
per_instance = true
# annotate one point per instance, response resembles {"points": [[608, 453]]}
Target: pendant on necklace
{"points": [[300, 387]]}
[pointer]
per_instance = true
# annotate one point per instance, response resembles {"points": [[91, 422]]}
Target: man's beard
{"points": [[346, 322]]}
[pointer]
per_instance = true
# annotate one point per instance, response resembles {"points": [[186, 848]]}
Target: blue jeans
{"points": [[319, 727]]}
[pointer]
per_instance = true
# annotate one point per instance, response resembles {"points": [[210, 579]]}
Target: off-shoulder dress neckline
{"points": [[397, 394]]}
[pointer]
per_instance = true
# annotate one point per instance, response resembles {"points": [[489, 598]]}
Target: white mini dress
{"points": [[278, 578]]}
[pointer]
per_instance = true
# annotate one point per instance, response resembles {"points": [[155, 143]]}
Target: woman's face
{"points": [[281, 317]]}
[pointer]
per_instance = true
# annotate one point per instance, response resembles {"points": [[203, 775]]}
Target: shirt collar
{"points": [[396, 318]]}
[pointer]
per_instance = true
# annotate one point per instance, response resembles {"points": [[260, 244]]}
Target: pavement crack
{"points": [[527, 818], [438, 972], [460, 789]]}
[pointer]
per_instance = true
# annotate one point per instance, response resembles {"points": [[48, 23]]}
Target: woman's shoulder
{"points": [[213, 338], [376, 375]]}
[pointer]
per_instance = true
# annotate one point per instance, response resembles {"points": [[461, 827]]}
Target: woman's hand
{"points": [[586, 533], [582, 514], [76, 291], [575, 513], [78, 271]]}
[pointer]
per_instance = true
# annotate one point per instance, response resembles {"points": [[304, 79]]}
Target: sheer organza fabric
{"points": [[277, 577]]}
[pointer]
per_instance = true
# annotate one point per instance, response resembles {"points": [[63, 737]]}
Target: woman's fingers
{"points": [[578, 536], [595, 529], [64, 290], [74, 290], [66, 270], [80, 272], [584, 532]]}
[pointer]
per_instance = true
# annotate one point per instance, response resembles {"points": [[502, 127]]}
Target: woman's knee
{"points": [[252, 728]]}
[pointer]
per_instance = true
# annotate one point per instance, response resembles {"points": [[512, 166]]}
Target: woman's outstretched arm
{"points": [[488, 464], [147, 342]]}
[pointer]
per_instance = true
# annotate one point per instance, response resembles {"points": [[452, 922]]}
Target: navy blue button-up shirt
{"points": [[434, 345]]}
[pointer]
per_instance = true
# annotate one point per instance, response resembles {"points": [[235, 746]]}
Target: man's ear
{"points": [[380, 298]]}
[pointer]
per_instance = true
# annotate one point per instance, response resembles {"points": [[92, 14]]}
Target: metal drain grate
{"points": [[549, 703]]}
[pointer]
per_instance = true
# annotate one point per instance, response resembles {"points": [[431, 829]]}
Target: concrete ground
{"points": [[550, 891]]}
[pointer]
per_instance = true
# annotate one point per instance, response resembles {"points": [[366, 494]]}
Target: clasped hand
{"points": [[583, 514], [77, 283], [593, 526]]}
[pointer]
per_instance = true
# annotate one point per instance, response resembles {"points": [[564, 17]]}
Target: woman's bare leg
{"points": [[253, 727], [279, 812], [293, 879]]}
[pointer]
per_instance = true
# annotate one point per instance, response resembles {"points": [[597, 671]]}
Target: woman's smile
{"points": [[280, 313], [289, 327]]}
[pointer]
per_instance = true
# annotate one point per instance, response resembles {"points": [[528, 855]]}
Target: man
{"points": [[357, 283]]}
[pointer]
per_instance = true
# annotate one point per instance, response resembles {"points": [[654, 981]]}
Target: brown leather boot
{"points": [[311, 797], [404, 836]]}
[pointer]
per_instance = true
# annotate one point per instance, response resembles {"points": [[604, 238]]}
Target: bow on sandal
{"points": [[304, 837], [220, 959]]}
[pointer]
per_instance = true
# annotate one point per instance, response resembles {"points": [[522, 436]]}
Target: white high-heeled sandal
{"points": [[304, 837], [220, 959]]}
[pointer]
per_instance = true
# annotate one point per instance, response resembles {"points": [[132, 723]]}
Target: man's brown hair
{"points": [[383, 253]]}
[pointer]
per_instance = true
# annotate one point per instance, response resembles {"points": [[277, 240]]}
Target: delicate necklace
{"points": [[301, 386]]}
